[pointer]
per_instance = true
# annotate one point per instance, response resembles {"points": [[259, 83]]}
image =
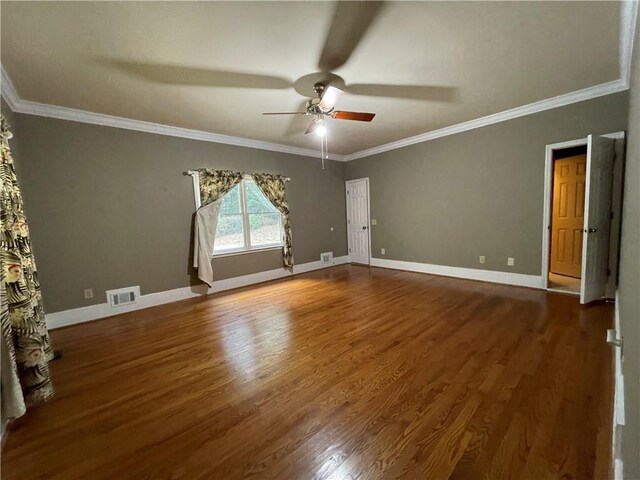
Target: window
{"points": [[247, 221]]}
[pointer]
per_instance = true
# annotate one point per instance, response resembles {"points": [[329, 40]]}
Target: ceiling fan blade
{"points": [[296, 123], [284, 113], [330, 97], [359, 116], [351, 20], [311, 128], [417, 92], [184, 75]]}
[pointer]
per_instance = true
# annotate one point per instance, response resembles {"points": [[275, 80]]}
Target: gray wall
{"points": [[110, 208], [629, 280], [450, 200]]}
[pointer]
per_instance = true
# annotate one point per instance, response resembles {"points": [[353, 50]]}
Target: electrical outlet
{"points": [[374, 221], [511, 261], [383, 251], [88, 293], [481, 259]]}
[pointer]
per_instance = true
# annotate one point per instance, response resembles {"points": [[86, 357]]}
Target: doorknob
{"points": [[590, 230], [364, 227]]}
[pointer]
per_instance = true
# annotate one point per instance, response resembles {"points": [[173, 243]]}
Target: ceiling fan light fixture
{"points": [[321, 130]]}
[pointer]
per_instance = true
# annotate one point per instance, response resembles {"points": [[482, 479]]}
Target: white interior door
{"points": [[358, 220], [597, 218]]}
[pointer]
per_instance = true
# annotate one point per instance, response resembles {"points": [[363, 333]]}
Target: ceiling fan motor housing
{"points": [[313, 107]]}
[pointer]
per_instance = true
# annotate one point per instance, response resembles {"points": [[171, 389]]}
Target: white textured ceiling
{"points": [[155, 61]]}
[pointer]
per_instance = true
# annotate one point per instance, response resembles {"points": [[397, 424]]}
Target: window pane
{"points": [[265, 229], [256, 201], [229, 233], [231, 202]]}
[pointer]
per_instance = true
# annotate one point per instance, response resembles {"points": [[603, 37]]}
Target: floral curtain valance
{"points": [[273, 186], [25, 340], [214, 184]]}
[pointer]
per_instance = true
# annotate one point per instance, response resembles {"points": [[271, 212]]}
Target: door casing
{"points": [[347, 183], [615, 206]]}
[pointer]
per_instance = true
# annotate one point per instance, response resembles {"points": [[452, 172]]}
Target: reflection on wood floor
{"points": [[343, 373]]}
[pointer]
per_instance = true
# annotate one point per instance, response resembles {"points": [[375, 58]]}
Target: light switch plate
{"points": [[374, 221]]}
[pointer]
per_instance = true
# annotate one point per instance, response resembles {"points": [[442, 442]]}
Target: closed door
{"points": [[358, 220], [597, 219], [567, 222]]}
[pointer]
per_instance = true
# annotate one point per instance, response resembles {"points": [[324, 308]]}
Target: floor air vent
{"points": [[123, 296], [326, 258]]}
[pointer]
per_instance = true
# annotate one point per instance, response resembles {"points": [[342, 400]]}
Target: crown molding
{"points": [[63, 113], [8, 90], [548, 104], [628, 23]]}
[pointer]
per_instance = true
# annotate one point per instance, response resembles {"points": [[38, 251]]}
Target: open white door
{"points": [[358, 220], [597, 218]]}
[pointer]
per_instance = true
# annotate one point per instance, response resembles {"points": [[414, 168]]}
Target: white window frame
{"points": [[246, 228]]}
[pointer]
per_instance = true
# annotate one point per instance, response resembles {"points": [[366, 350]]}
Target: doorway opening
{"points": [[567, 219], [581, 219]]}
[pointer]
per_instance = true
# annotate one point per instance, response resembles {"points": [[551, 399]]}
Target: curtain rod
{"points": [[191, 173]]}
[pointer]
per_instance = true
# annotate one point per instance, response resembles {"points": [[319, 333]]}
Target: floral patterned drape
{"points": [[273, 186], [214, 184], [24, 331]]}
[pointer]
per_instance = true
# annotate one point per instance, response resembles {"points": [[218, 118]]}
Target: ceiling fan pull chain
{"points": [[322, 149], [326, 148]]}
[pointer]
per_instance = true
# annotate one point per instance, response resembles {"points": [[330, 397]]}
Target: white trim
{"points": [[346, 183], [548, 104], [618, 402], [548, 190], [507, 278], [94, 312], [8, 90], [628, 18], [40, 109], [244, 251], [19, 105]]}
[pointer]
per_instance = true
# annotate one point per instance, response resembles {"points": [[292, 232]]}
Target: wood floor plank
{"points": [[343, 373]]}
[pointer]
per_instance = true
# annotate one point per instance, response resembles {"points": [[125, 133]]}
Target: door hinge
{"points": [[347, 192], [349, 250]]}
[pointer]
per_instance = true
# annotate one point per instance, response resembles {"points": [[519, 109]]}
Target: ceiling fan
{"points": [[323, 106], [351, 21]]}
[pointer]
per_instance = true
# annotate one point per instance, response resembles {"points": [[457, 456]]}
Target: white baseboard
{"points": [[94, 312], [519, 279], [618, 403]]}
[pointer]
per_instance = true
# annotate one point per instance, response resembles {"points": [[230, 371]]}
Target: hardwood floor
{"points": [[344, 373]]}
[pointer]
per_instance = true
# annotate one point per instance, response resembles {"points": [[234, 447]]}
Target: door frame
{"points": [[346, 187], [615, 205]]}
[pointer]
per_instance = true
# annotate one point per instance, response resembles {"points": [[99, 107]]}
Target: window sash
{"points": [[246, 226]]}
